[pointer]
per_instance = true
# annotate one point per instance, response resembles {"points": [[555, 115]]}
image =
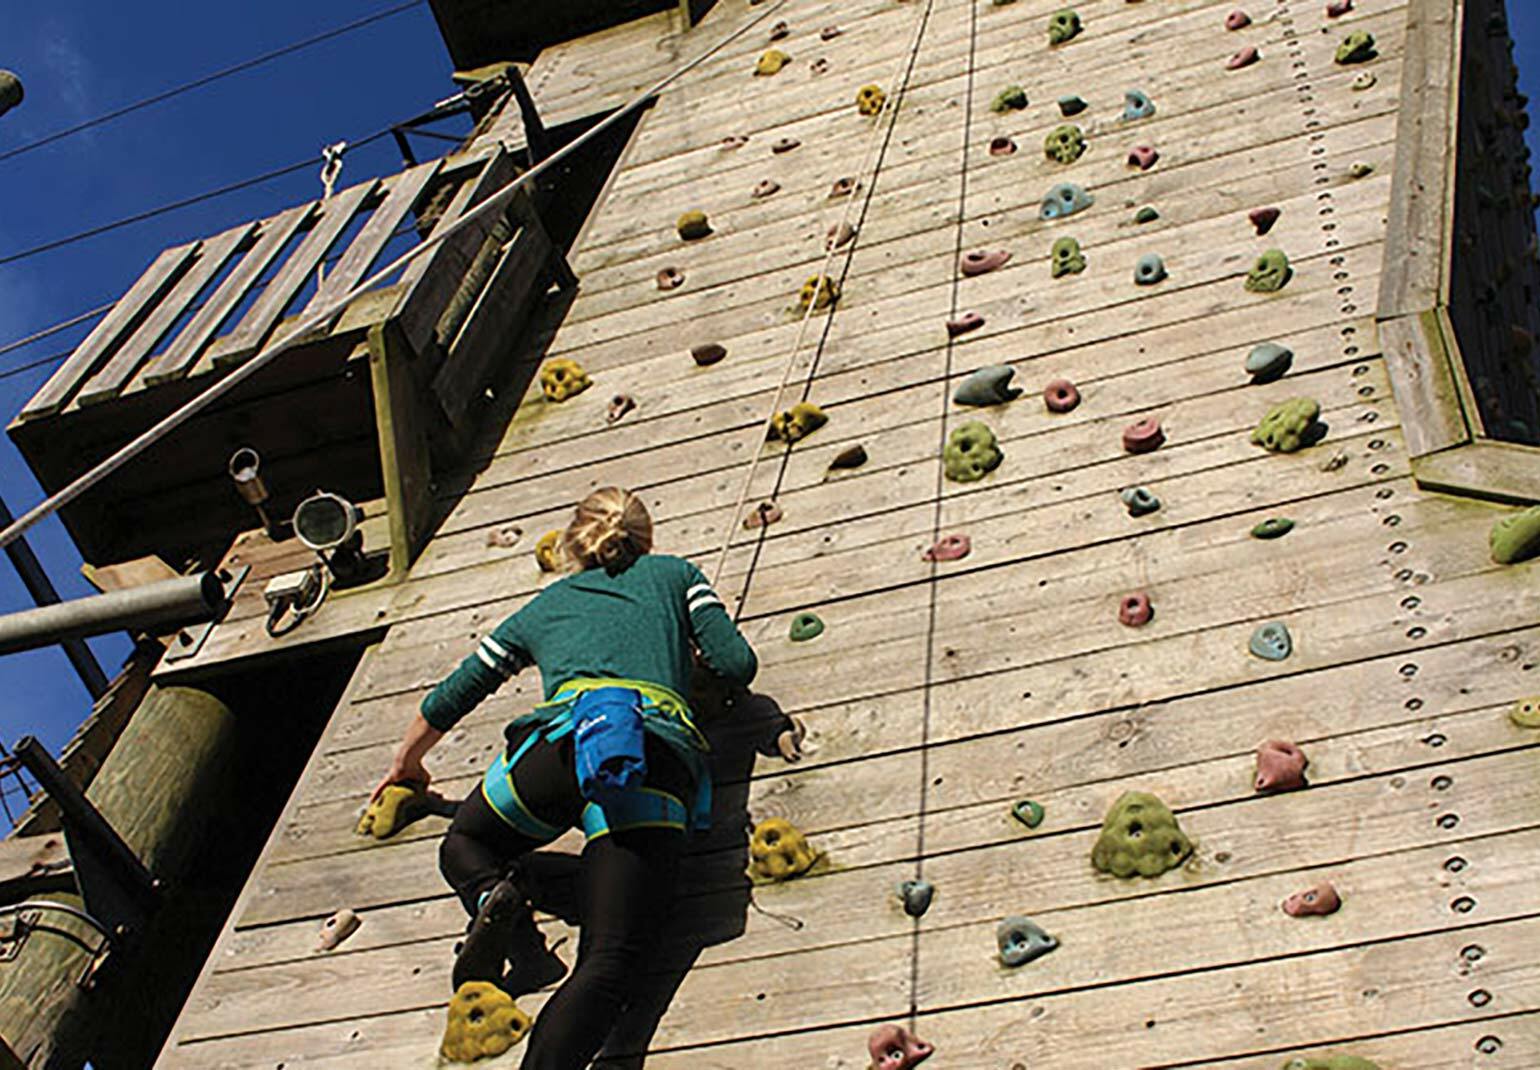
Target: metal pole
{"points": [[154, 606], [30, 569]]}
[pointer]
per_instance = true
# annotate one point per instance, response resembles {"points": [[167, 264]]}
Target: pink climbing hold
{"points": [[838, 234], [1144, 436], [1280, 766], [1237, 20], [829, 33], [1061, 395], [1244, 58], [1318, 901], [1143, 157], [843, 187], [764, 514], [670, 278], [1135, 610], [1002, 146], [983, 261], [785, 144], [1337, 8], [892, 1047], [620, 404], [1264, 218], [819, 65], [734, 141], [968, 321], [764, 188], [950, 548]]}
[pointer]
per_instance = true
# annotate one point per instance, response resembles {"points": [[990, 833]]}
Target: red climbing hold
{"points": [[1135, 609], [968, 321], [1244, 58], [1313, 902], [1061, 395], [764, 514], [982, 261], [1143, 157], [1337, 8], [1237, 20], [1264, 218], [1002, 146], [843, 187], [1280, 766], [708, 354], [670, 279], [1143, 436], [950, 548], [892, 1047]]}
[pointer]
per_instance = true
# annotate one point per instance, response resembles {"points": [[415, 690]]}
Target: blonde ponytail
{"points": [[610, 529]]}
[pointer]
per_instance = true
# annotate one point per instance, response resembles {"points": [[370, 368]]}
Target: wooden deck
{"points": [[940, 694]]}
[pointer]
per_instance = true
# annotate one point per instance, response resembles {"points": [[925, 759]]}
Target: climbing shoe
{"points": [[531, 965], [486, 941]]}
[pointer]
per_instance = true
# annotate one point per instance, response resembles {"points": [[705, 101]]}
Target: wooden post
{"points": [[172, 767], [404, 460]]}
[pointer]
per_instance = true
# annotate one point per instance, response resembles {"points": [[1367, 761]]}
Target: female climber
{"points": [[612, 750]]}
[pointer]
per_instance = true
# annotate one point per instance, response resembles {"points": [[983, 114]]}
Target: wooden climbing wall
{"points": [[938, 695]]}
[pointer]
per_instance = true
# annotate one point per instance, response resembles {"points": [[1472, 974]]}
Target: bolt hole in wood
{"points": [[1411, 601], [1480, 998], [1441, 783], [1463, 905], [1489, 1045], [1448, 821], [1455, 864], [1414, 704], [1391, 521]]}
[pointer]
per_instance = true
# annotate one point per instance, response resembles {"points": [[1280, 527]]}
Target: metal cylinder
{"points": [[246, 471], [11, 91], [150, 608]]}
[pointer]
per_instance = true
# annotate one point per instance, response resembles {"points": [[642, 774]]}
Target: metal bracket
{"points": [[189, 641]]}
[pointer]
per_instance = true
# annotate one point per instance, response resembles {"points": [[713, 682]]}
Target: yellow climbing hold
{"points": [[561, 378], [397, 807], [778, 851], [870, 99], [483, 1022], [797, 422], [1526, 712], [548, 552], [820, 291], [693, 224], [771, 62]]}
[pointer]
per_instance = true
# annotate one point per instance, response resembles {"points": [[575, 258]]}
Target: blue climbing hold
{"points": [[1021, 940], [1140, 501], [1272, 641], [1268, 361], [1136, 105], [1065, 200]]}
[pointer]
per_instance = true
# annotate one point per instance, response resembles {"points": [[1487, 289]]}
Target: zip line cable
{"points": [[214, 391], [207, 79]]}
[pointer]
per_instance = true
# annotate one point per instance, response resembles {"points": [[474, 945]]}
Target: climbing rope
{"points": [[868, 169], [329, 309], [331, 170]]}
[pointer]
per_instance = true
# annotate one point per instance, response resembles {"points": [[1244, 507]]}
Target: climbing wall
{"points": [[972, 718]]}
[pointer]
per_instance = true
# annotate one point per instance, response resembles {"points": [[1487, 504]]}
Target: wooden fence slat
{"points": [[183, 353], [161, 274]]}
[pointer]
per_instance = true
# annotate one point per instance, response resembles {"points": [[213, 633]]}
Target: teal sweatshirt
{"points": [[636, 624]]}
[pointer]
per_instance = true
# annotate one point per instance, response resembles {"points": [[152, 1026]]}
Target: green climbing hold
{"points": [[1271, 641], [1147, 214], [1028, 812], [805, 626], [11, 91], [1011, 98], [1064, 144], [1516, 537], [1290, 426], [1361, 170], [1270, 273], [1063, 25], [1071, 106], [990, 385], [971, 453], [1268, 361], [1332, 1062], [1526, 713], [1067, 258], [1357, 47], [693, 225], [1140, 837], [1274, 527], [771, 62]]}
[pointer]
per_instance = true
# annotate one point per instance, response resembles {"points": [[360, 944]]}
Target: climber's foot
{"points": [[481, 955], [531, 965]]}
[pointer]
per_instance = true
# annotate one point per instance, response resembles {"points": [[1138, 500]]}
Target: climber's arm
{"points": [[723, 648]]}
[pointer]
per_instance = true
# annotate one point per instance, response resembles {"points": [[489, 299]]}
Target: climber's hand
{"points": [[789, 742], [404, 769]]}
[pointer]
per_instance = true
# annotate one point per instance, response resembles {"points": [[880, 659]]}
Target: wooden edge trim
{"points": [[1483, 468], [404, 466], [1423, 382]]}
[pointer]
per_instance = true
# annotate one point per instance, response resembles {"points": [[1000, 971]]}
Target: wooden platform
{"points": [[940, 694]]}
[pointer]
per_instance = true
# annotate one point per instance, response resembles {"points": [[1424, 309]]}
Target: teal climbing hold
{"points": [[1137, 105], [1071, 106], [1067, 258], [1011, 98], [1063, 25], [805, 626], [1064, 200], [990, 385], [1028, 812], [1149, 270], [1021, 940], [1268, 362], [1271, 641], [1139, 501], [917, 896], [1274, 527], [1147, 214]]}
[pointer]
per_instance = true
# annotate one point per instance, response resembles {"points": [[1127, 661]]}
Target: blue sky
{"points": [[81, 59]]}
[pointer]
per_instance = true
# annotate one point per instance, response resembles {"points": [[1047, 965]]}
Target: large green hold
{"points": [[1140, 837], [971, 453], [1290, 426], [11, 92], [1011, 98], [1063, 25], [1270, 273], [1335, 1062], [1356, 48], [1516, 537], [1065, 143]]}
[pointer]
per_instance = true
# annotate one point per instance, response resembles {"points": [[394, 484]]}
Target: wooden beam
{"points": [[399, 417]]}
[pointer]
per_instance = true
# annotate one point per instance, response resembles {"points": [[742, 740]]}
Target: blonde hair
{"points": [[610, 529]]}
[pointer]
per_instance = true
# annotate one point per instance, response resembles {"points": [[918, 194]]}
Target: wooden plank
{"points": [[1418, 363], [404, 468], [401, 195], [212, 256], [1486, 468], [273, 235], [251, 332], [125, 315]]}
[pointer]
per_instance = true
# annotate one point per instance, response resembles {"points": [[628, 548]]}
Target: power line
{"points": [[57, 327], [207, 79]]}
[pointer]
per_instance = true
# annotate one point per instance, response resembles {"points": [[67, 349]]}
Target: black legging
{"points": [[624, 887]]}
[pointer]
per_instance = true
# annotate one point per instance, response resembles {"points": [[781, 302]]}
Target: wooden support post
{"points": [[404, 459], [535, 135]]}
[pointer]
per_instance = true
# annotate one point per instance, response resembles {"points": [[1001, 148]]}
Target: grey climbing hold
{"points": [[1021, 940], [1067, 258], [1029, 812], [1064, 144], [1136, 105], [11, 91], [1274, 527], [1268, 362], [849, 457], [1149, 270], [1011, 98], [1064, 200], [990, 385], [1063, 25], [805, 626], [917, 896], [1139, 501], [1071, 106], [1147, 214], [1271, 641]]}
